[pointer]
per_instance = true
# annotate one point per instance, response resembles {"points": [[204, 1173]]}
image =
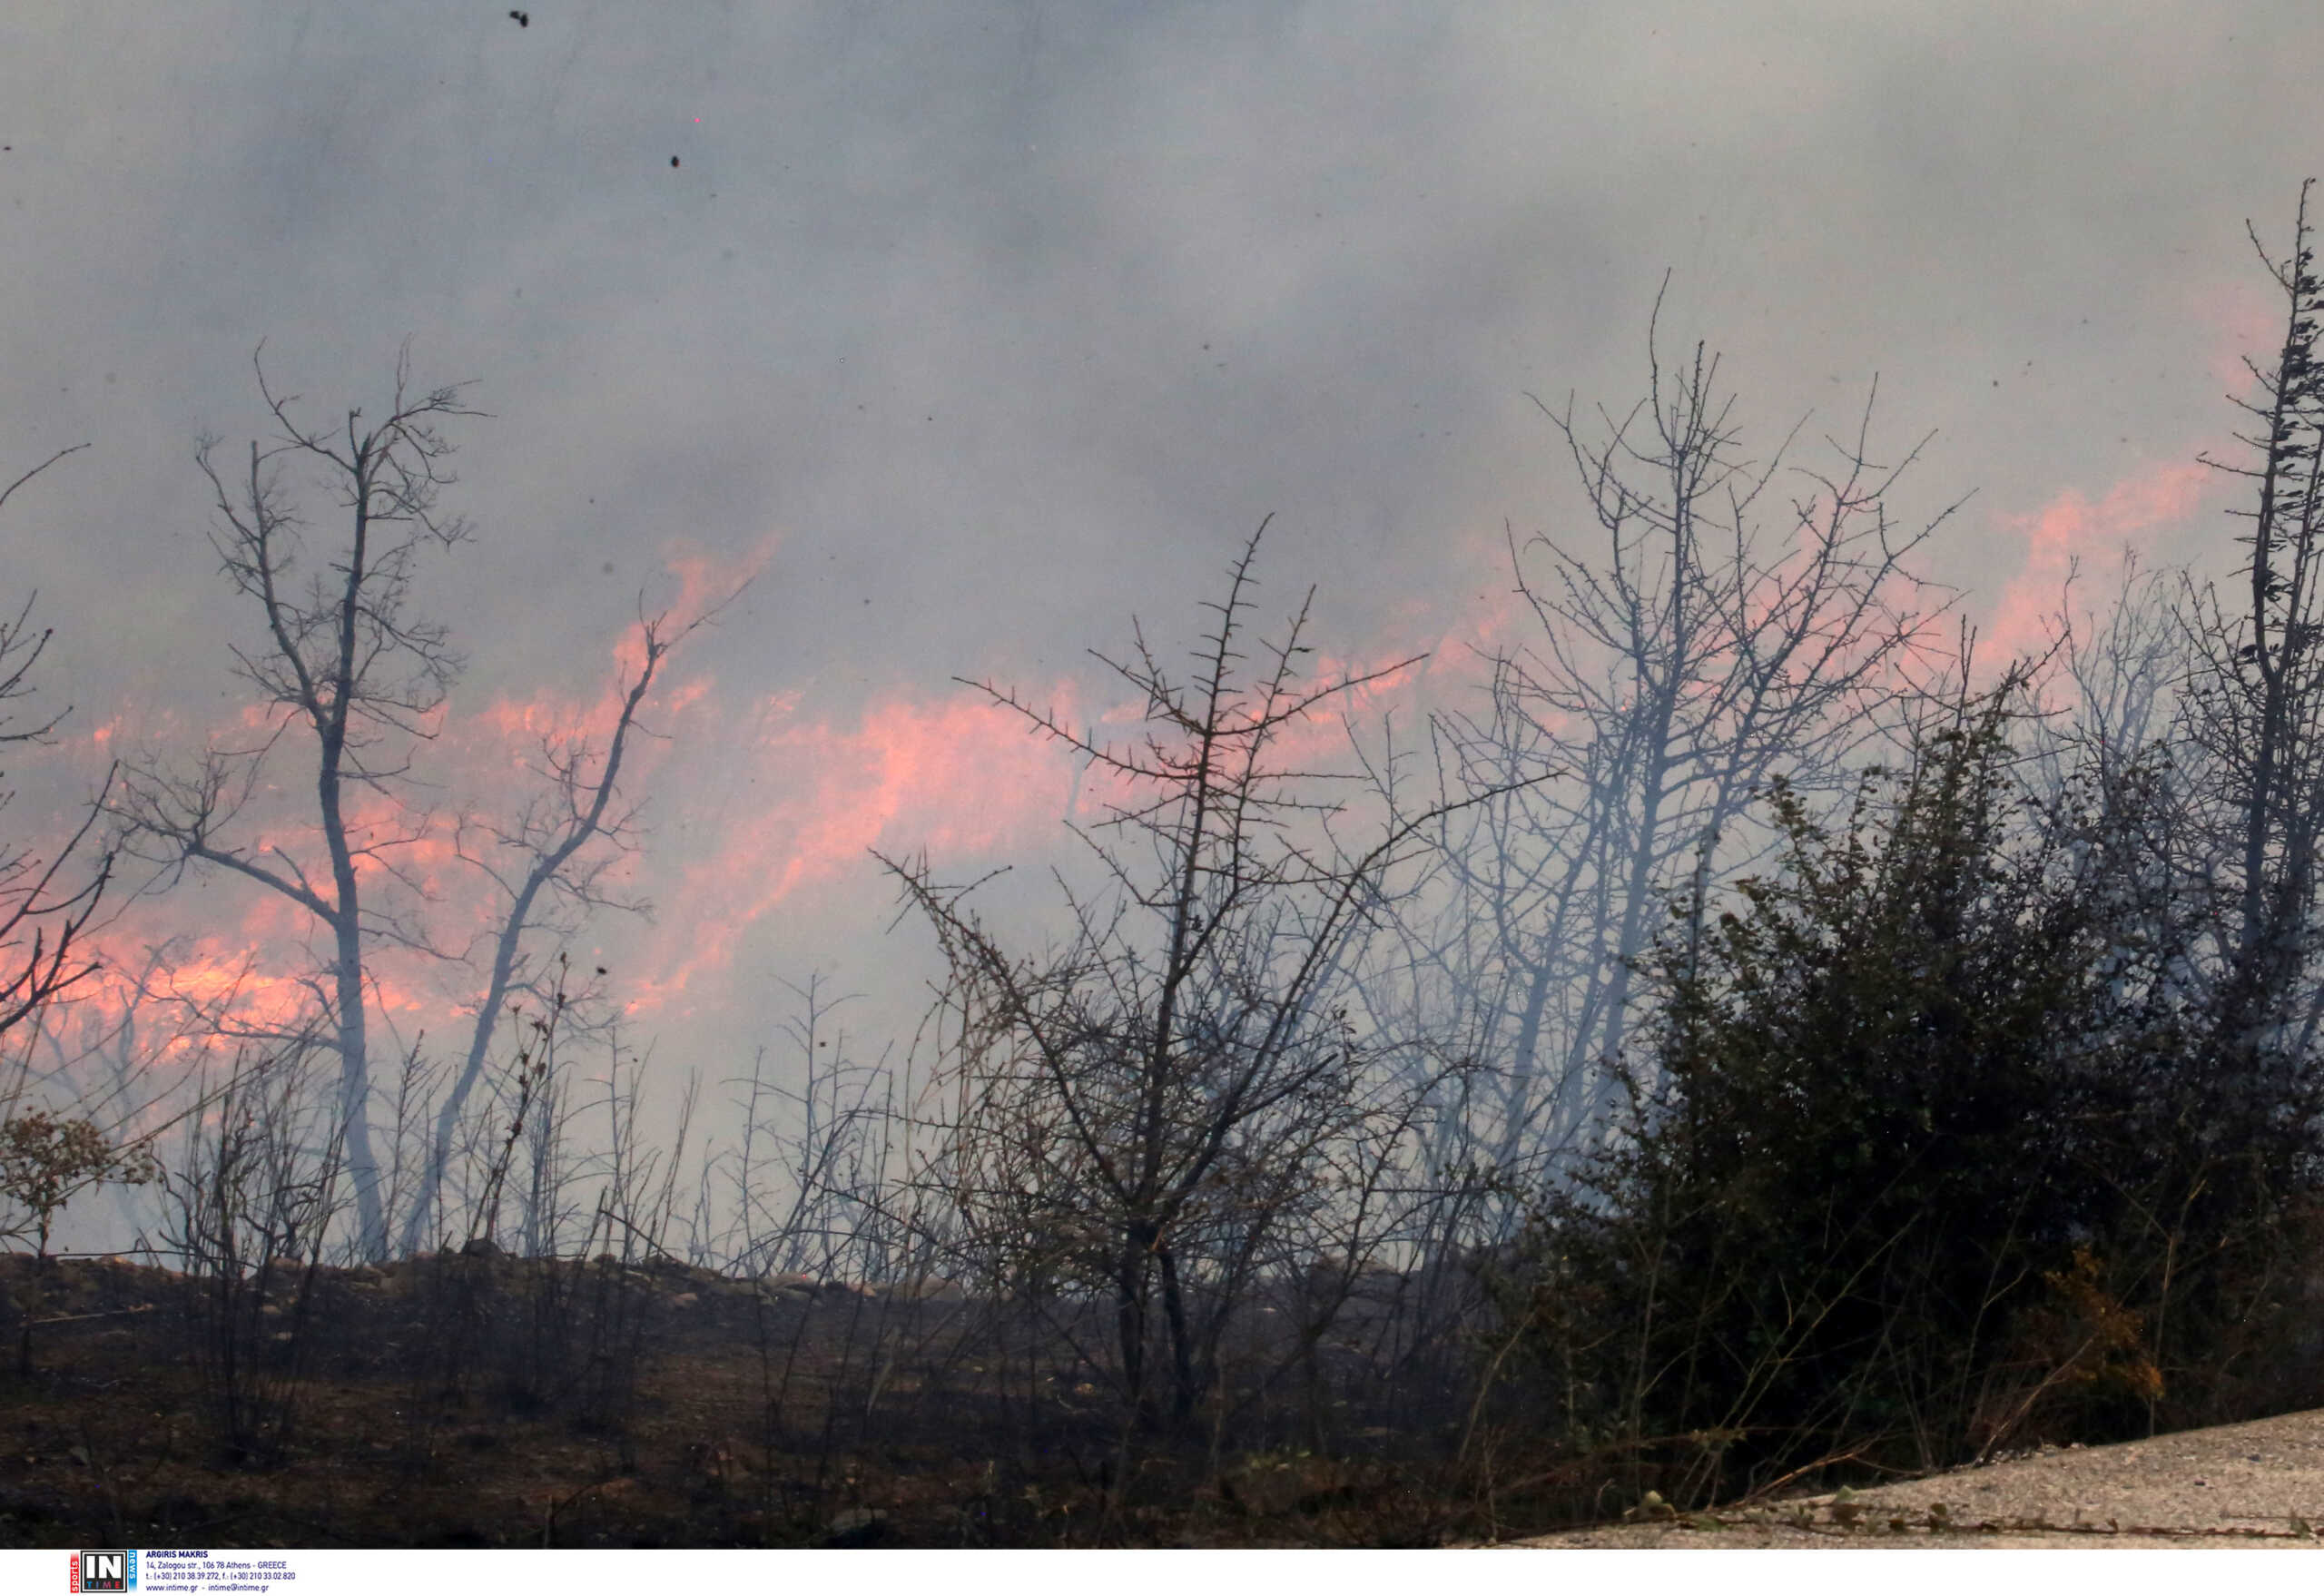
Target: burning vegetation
{"points": [[1753, 1040]]}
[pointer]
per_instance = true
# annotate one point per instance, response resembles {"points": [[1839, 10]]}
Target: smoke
{"points": [[2077, 540]]}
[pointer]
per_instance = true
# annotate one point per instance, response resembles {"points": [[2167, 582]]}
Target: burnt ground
{"points": [[457, 1402]]}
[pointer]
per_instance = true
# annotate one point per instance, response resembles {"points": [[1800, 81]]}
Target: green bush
{"points": [[1918, 1157]]}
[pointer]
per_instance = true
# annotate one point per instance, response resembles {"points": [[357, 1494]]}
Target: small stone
{"points": [[1651, 1508]]}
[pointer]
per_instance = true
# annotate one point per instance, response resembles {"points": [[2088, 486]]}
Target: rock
{"points": [[1652, 1509]]}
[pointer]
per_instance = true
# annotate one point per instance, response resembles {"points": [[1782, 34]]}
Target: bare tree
{"points": [[2112, 682], [1699, 649], [2255, 703], [48, 903], [45, 908], [1149, 1111], [821, 1140], [346, 665], [549, 867]]}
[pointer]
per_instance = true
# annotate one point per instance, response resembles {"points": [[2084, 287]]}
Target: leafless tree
{"points": [[2112, 683], [1700, 647], [805, 1170], [348, 670], [45, 905], [347, 667], [548, 868], [1154, 1110], [2255, 700]]}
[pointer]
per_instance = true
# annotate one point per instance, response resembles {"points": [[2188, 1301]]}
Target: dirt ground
{"points": [[785, 1412], [735, 1436], [112, 1440], [2258, 1485]]}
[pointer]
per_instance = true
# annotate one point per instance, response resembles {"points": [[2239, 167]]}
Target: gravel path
{"points": [[2258, 1485]]}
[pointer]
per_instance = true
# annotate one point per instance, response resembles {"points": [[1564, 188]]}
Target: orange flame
{"points": [[2070, 526]]}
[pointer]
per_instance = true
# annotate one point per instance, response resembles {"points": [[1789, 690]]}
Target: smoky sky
{"points": [[972, 329]]}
